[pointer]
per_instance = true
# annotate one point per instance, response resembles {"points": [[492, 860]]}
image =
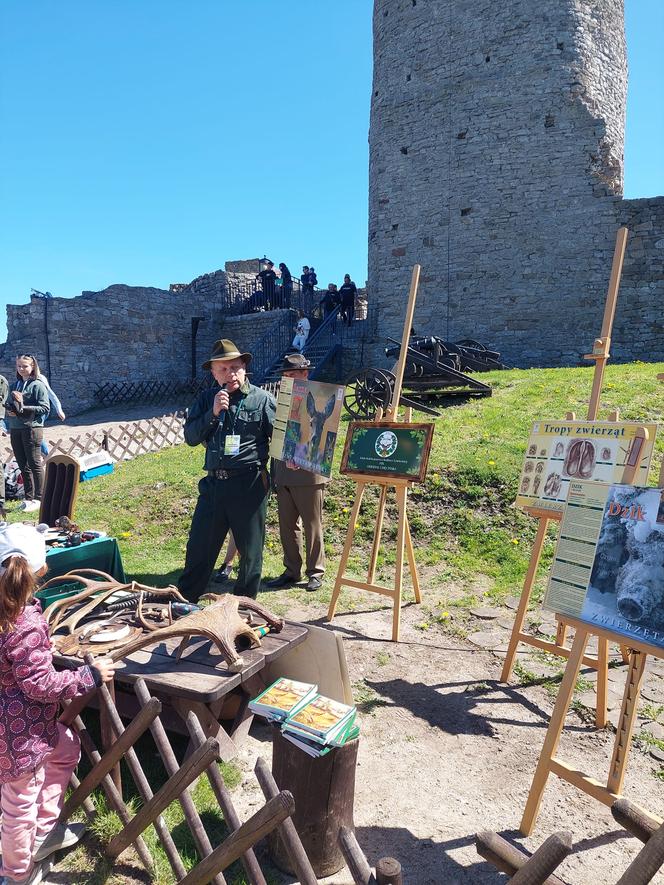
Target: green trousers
{"points": [[238, 504]]}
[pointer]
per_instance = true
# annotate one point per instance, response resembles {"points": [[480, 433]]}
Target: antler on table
{"points": [[220, 622]]}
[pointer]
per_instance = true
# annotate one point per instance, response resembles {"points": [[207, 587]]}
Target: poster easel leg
{"points": [[602, 681], [359, 492], [411, 564], [379, 530], [553, 733], [517, 629], [398, 577], [637, 666]]}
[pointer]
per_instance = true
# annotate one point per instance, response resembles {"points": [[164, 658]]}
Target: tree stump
{"points": [[324, 792]]}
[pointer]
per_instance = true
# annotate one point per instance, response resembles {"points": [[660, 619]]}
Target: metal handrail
{"points": [[275, 341]]}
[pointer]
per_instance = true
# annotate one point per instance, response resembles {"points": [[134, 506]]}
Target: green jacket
{"points": [[250, 416], [34, 409]]}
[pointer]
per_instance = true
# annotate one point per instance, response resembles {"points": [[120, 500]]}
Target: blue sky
{"points": [[148, 142]]}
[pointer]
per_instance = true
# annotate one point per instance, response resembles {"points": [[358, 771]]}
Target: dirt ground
{"points": [[447, 751]]}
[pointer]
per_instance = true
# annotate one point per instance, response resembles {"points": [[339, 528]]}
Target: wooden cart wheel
{"points": [[366, 391]]}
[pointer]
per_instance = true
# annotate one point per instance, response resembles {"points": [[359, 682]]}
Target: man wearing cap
{"points": [[300, 505], [233, 420]]}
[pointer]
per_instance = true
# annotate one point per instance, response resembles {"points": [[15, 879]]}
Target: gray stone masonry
{"points": [[496, 162], [124, 333]]}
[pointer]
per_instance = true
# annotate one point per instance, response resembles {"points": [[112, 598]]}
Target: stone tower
{"points": [[496, 162]]}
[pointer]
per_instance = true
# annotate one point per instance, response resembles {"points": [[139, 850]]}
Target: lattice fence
{"points": [[123, 442], [152, 390]]}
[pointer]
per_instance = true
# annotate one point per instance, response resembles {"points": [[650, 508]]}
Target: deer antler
{"points": [[220, 622]]}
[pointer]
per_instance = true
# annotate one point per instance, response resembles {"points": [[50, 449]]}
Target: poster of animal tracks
{"points": [[608, 568], [307, 423], [559, 452]]}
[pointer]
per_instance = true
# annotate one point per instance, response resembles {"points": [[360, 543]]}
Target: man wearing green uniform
{"points": [[233, 420]]}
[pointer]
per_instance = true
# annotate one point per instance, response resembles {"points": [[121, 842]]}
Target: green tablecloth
{"points": [[102, 554]]}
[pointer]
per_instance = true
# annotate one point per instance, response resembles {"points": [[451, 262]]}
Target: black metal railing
{"points": [[243, 296], [270, 346]]}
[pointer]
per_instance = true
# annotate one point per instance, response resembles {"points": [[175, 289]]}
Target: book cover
{"points": [[321, 715], [283, 697]]}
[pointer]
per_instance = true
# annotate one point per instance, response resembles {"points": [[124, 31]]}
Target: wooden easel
{"points": [[404, 541], [600, 354], [549, 763]]}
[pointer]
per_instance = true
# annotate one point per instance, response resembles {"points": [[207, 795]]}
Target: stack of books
{"points": [[309, 720], [283, 698]]}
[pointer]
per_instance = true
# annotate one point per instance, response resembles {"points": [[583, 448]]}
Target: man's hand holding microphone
{"points": [[220, 403]]}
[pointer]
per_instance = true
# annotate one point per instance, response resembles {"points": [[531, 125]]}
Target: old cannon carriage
{"points": [[433, 368]]}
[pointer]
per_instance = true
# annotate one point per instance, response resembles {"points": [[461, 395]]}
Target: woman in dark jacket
{"points": [[26, 410], [286, 286]]}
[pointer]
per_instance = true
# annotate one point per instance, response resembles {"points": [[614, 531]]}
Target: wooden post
{"points": [[634, 819], [392, 409], [371, 573], [404, 540], [324, 792], [286, 829], [150, 813], [388, 872], [628, 710], [172, 766], [522, 610], [647, 862], [506, 857], [545, 860], [600, 354], [259, 825], [130, 832], [355, 858], [110, 759], [223, 797], [115, 799], [355, 512]]}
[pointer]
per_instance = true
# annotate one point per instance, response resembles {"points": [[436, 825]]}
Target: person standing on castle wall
{"points": [[26, 408], [348, 293], [286, 286], [330, 299], [300, 504], [267, 277], [234, 421], [307, 287]]}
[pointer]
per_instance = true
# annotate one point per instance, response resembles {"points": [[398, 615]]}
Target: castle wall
{"points": [[496, 158], [128, 333]]}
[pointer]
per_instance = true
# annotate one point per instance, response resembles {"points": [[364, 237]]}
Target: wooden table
{"points": [[201, 681]]}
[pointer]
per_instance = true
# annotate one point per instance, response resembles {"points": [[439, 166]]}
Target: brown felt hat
{"points": [[295, 361], [225, 349]]}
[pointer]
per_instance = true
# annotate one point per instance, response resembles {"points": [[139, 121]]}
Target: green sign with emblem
{"points": [[388, 449]]}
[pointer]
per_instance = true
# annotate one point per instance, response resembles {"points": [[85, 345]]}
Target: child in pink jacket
{"points": [[37, 753]]}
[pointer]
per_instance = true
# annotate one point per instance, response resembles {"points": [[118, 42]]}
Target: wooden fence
{"points": [[122, 442]]}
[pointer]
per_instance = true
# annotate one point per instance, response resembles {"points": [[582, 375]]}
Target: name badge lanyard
{"points": [[232, 440]]}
